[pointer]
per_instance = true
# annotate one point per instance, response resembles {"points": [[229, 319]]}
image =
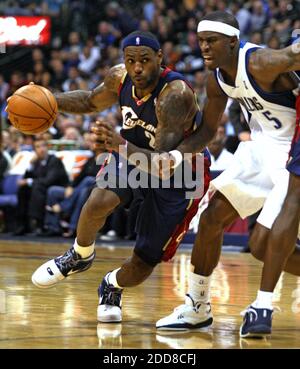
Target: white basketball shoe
{"points": [[110, 302], [189, 316], [55, 270]]}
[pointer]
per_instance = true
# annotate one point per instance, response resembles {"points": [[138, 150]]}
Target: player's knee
{"points": [[258, 242], [100, 203], [211, 218]]}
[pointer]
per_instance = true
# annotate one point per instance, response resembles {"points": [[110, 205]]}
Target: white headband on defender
{"points": [[219, 27]]}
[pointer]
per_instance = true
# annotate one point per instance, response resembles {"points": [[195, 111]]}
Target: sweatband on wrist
{"points": [[219, 27], [177, 156]]}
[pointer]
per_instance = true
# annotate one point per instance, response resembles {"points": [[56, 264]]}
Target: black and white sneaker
{"points": [[55, 270], [257, 323], [189, 316], [110, 302]]}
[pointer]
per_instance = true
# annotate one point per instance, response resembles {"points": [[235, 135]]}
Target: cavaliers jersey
{"points": [[272, 114], [139, 116]]}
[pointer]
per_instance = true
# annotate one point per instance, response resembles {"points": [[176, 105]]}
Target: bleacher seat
{"points": [[8, 190]]}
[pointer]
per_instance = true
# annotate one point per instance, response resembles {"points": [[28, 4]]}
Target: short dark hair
{"points": [[223, 17], [37, 138]]}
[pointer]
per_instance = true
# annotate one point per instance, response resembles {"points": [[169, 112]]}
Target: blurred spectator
{"points": [[273, 42], [14, 7], [242, 15], [52, 7], [58, 73], [74, 77], [149, 11], [120, 19], [16, 81], [37, 56], [144, 25], [67, 202], [73, 134], [107, 35], [257, 38], [16, 140], [4, 164], [45, 170], [4, 89], [258, 16], [74, 43], [5, 159], [88, 59], [220, 157]]}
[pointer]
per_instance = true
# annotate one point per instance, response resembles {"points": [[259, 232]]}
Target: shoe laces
{"points": [[111, 296], [69, 259]]}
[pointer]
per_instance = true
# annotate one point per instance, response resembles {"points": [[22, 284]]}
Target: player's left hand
{"points": [[106, 136]]}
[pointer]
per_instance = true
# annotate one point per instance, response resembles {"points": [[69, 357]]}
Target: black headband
{"points": [[136, 40]]}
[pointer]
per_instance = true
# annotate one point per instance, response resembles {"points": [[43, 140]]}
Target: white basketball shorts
{"points": [[256, 179]]}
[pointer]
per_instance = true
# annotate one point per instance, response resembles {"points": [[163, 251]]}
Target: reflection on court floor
{"points": [[65, 316]]}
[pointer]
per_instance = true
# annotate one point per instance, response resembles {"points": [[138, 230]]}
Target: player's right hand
{"points": [[97, 141]]}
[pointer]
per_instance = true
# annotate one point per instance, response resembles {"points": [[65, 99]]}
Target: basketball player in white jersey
{"points": [[261, 81]]}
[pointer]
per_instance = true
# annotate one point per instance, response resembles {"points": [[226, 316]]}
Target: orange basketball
{"points": [[32, 109]]}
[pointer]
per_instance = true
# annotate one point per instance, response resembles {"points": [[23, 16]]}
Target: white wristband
{"points": [[177, 156]]}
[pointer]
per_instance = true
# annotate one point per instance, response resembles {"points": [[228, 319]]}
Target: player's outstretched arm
{"points": [[101, 98], [212, 114], [266, 65]]}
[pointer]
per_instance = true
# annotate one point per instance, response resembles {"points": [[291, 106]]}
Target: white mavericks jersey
{"points": [[274, 114]]}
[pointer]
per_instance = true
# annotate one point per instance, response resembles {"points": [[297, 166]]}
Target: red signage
{"points": [[24, 30]]}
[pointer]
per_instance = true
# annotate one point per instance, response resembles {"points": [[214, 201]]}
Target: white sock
{"points": [[112, 278], [84, 251], [263, 300], [199, 287]]}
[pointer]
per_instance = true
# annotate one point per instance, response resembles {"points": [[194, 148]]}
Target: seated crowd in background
{"points": [[78, 57]]}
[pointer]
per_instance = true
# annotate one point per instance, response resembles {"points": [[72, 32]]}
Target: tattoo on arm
{"points": [[101, 98], [268, 64], [74, 102], [175, 113]]}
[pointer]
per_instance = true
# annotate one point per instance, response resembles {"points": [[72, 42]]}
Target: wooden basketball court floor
{"points": [[65, 316]]}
